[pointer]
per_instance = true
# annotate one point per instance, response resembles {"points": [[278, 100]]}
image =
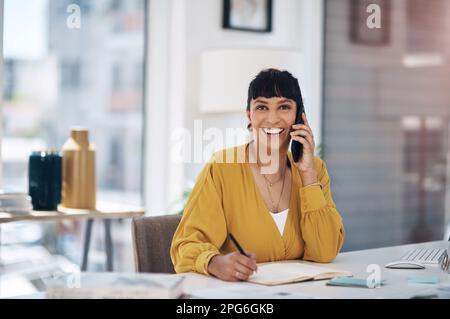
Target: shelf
{"points": [[103, 210]]}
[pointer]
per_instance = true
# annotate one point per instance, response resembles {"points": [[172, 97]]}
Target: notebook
{"points": [[286, 272], [355, 282]]}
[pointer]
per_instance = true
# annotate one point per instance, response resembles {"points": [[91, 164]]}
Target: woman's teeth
{"points": [[272, 131]]}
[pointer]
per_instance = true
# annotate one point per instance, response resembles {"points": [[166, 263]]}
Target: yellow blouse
{"points": [[226, 200]]}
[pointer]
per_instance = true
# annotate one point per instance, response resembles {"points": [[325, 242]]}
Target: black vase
{"points": [[44, 179]]}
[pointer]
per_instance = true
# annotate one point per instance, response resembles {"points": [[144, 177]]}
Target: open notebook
{"points": [[285, 272]]}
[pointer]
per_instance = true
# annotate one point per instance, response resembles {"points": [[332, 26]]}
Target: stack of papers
{"points": [[115, 286], [14, 202]]}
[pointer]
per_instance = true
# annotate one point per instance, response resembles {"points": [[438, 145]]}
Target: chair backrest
{"points": [[152, 238]]}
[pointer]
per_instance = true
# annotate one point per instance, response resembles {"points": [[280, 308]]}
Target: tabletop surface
{"points": [[397, 286], [103, 210], [361, 263]]}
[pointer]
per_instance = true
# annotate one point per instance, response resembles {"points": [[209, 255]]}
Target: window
{"points": [[70, 75], [57, 77], [61, 79], [115, 176], [117, 77], [8, 78]]}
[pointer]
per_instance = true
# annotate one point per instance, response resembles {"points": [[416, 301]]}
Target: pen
{"points": [[237, 245]]}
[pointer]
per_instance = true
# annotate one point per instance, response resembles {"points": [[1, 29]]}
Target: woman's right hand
{"points": [[233, 266]]}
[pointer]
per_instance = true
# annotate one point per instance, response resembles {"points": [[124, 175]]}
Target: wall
{"points": [[179, 31], [204, 32], [364, 133]]}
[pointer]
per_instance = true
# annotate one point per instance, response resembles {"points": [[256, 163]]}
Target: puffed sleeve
{"points": [[321, 224], [202, 230]]}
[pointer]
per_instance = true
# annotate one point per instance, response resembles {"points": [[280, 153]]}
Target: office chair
{"points": [[152, 238]]}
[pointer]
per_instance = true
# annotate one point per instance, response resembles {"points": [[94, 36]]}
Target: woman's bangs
{"points": [[272, 87]]}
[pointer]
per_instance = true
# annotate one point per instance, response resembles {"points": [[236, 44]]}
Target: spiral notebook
{"points": [[286, 272]]}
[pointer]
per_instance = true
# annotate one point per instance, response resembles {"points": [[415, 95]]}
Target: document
{"points": [[285, 272], [115, 286]]}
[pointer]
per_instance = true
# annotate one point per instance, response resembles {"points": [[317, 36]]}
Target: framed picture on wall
{"points": [[370, 22], [248, 15]]}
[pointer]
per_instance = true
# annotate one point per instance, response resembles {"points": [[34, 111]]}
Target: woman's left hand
{"points": [[303, 133]]}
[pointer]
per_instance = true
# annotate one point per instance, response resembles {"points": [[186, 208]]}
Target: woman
{"points": [[275, 214]]}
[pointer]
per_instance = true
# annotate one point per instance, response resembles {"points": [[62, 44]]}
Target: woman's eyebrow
{"points": [[281, 102], [285, 101], [261, 101]]}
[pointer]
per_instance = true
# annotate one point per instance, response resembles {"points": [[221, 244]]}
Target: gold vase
{"points": [[78, 186]]}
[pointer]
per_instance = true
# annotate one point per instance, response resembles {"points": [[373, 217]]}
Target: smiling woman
{"points": [[278, 209]]}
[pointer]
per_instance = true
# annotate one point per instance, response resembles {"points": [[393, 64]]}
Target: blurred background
{"points": [[376, 84]]}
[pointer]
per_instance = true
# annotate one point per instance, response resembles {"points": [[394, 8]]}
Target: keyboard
{"points": [[424, 256]]}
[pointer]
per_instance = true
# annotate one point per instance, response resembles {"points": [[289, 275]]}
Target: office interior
{"points": [[146, 77]]}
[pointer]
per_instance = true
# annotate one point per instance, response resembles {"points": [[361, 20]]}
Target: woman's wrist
{"points": [[211, 265], [309, 178]]}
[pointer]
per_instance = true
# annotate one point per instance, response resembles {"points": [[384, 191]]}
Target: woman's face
{"points": [[272, 120]]}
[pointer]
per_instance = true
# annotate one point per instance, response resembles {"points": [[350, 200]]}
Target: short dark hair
{"points": [[275, 83]]}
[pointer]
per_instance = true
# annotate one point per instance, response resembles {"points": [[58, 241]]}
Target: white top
{"points": [[280, 219]]}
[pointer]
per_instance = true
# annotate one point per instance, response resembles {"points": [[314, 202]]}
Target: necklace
{"points": [[281, 194], [271, 183], [267, 182]]}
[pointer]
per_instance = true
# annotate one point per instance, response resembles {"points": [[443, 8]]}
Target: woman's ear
{"points": [[249, 126]]}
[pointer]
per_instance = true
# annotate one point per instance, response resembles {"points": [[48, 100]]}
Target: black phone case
{"points": [[297, 147]]}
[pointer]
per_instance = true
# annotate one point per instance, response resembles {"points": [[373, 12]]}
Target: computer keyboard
{"points": [[424, 256]]}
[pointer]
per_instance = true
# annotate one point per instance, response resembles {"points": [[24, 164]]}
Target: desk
{"points": [[104, 211], [356, 262]]}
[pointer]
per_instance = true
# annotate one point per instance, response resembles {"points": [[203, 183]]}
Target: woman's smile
{"points": [[272, 130]]}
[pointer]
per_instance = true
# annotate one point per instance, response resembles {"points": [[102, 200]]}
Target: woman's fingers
{"points": [[304, 134], [247, 262], [302, 127], [242, 272], [252, 256], [242, 266], [304, 142]]}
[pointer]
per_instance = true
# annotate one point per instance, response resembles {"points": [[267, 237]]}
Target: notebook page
{"points": [[285, 272]]}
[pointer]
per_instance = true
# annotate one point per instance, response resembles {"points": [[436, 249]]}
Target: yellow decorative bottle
{"points": [[78, 186]]}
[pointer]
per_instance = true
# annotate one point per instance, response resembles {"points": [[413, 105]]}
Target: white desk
{"points": [[357, 261]]}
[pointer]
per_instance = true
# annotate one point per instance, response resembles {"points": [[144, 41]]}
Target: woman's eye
{"points": [[285, 107], [261, 107]]}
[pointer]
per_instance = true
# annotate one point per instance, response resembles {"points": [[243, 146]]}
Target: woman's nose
{"points": [[273, 118]]}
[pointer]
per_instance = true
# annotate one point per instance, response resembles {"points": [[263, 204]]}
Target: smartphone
{"points": [[297, 147]]}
